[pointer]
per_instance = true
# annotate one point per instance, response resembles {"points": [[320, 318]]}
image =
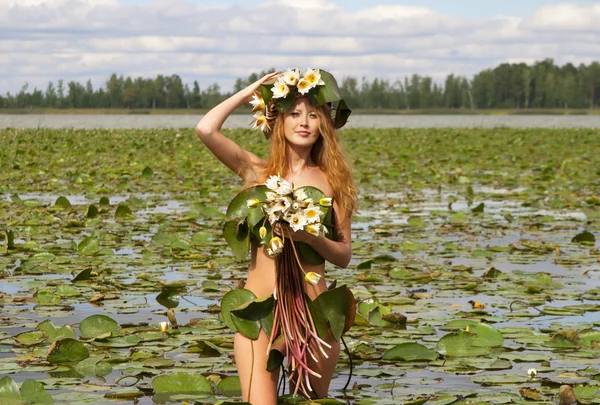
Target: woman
{"points": [[305, 151]]}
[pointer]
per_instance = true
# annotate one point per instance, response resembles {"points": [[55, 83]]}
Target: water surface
{"points": [[91, 121]]}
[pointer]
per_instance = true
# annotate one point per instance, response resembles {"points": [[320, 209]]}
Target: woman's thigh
{"points": [[259, 386]]}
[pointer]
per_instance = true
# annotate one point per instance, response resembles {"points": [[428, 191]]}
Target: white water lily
{"points": [[260, 122], [164, 326], [303, 86], [297, 221], [281, 205], [279, 185], [272, 182], [262, 232], [280, 89], [532, 372], [313, 214], [257, 102], [291, 77], [312, 278], [271, 196], [300, 195], [313, 77], [314, 229], [274, 217]]}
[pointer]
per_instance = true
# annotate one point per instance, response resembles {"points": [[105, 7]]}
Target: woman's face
{"points": [[301, 123]]}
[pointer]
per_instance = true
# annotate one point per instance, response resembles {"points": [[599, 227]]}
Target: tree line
{"points": [[508, 86]]}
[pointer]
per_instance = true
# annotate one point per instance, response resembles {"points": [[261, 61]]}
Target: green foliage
{"points": [[509, 85]]}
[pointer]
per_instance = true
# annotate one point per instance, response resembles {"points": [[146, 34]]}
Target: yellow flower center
{"points": [[302, 84], [311, 78]]}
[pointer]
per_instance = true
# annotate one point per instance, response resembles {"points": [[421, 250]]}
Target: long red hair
{"points": [[326, 152]]}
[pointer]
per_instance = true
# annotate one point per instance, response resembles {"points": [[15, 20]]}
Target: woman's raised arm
{"points": [[227, 151]]}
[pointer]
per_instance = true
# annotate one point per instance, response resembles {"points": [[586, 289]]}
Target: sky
{"points": [[217, 41]]}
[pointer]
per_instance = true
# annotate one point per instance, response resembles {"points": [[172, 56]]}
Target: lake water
{"points": [[81, 121]]}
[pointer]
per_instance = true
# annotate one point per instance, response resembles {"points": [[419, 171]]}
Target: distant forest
{"points": [[508, 86]]}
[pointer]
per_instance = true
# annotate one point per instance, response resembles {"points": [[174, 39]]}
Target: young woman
{"points": [[306, 152]]}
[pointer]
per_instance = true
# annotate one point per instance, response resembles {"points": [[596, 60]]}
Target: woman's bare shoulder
{"points": [[318, 179]]}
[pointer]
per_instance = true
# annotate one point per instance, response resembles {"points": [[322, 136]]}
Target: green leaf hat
{"points": [[278, 95]]}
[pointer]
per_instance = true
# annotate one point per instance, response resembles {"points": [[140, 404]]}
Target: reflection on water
{"points": [[92, 121]]}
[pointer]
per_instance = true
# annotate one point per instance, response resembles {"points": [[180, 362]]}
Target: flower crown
{"points": [[318, 85]]}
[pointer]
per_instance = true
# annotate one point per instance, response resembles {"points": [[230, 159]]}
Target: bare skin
{"points": [[301, 130]]}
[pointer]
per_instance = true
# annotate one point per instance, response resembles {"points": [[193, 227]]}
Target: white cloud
{"points": [[47, 40], [566, 17]]}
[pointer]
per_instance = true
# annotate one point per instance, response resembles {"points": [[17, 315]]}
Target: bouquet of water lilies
{"points": [[299, 211], [296, 325]]}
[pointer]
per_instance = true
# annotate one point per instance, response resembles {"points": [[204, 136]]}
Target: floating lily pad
{"points": [[33, 392], [230, 386], [97, 326], [179, 383], [89, 246], [460, 344], [67, 350], [31, 338], [9, 390], [584, 237], [410, 352]]}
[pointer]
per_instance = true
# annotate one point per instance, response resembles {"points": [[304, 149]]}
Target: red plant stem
{"points": [[293, 319]]}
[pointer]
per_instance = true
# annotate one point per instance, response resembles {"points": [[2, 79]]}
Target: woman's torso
{"points": [[261, 274]]}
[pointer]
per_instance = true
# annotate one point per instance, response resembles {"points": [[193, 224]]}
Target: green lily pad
{"points": [[62, 202], [460, 344], [230, 386], [83, 275], [584, 237], [67, 350], [486, 335], [97, 325], [232, 300], [33, 392], [585, 391], [89, 246], [255, 310], [237, 237], [147, 173], [91, 211], [9, 390], [123, 211], [410, 352], [250, 329], [179, 383], [31, 338], [338, 308]]}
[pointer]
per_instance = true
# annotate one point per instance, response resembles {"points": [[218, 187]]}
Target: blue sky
{"points": [[217, 41]]}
